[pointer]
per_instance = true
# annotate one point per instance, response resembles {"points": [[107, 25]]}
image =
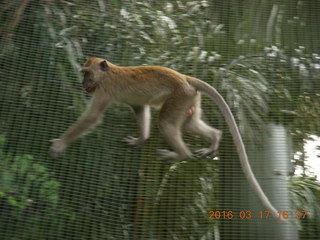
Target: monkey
{"points": [[178, 97]]}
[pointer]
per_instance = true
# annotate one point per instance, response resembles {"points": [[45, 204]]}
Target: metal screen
{"points": [[262, 56]]}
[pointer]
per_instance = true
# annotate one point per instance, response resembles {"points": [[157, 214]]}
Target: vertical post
{"points": [[271, 167]]}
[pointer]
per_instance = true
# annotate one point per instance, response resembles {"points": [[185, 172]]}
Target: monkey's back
{"points": [[150, 85]]}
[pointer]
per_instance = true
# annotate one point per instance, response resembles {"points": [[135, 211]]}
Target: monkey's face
{"points": [[88, 82], [92, 71]]}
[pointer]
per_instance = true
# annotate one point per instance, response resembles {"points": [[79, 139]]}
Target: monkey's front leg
{"points": [[143, 119], [76, 130], [89, 119]]}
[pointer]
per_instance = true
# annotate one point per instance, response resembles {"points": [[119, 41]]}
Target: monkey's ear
{"points": [[104, 66]]}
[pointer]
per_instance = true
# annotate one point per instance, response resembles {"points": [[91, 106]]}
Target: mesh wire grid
{"points": [[262, 56]]}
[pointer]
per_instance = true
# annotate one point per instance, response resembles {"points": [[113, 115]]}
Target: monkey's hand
{"points": [[57, 148], [132, 141], [205, 152]]}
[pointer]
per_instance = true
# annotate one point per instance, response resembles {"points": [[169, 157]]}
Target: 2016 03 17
{"points": [[247, 215]]}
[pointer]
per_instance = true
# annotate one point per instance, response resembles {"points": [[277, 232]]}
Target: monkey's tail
{"points": [[223, 106]]}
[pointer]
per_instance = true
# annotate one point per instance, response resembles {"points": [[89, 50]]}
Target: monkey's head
{"points": [[93, 70]]}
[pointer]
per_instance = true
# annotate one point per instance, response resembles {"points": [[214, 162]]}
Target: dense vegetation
{"points": [[263, 56]]}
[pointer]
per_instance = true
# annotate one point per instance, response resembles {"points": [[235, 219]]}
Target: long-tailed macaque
{"points": [[178, 97]]}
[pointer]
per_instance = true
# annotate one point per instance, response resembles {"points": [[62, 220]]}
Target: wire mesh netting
{"points": [[262, 56]]}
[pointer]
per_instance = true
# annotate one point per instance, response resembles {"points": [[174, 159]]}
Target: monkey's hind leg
{"points": [[171, 119], [197, 126], [143, 119]]}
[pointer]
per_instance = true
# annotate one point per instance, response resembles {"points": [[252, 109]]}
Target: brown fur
{"points": [[178, 98]]}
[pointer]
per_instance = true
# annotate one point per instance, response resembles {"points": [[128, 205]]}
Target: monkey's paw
{"points": [[57, 148], [166, 154], [132, 141], [170, 155], [205, 152]]}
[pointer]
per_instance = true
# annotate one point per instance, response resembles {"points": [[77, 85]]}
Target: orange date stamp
{"points": [[247, 215]]}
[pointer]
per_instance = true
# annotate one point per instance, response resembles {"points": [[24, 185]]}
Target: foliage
{"points": [[173, 35], [176, 36], [261, 55], [28, 196], [305, 195]]}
